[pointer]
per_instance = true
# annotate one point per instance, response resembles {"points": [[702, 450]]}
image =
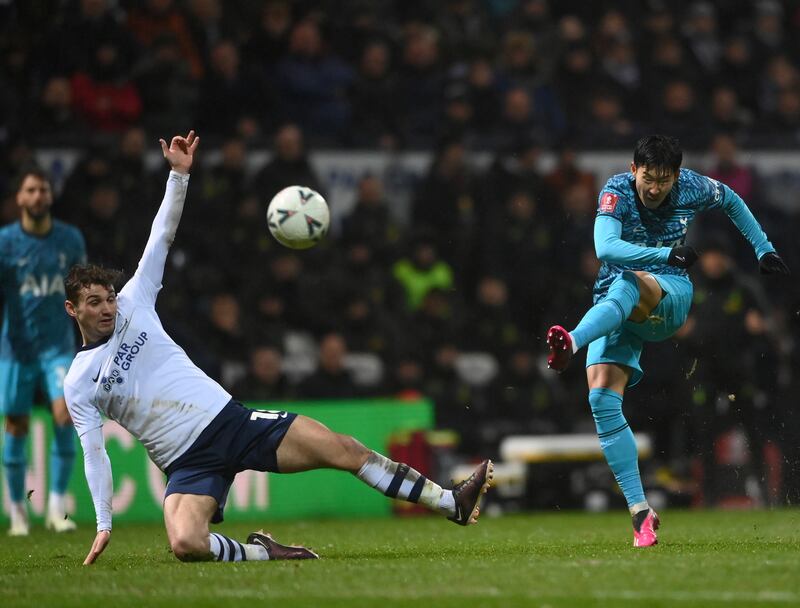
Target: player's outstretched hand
{"points": [[682, 257], [771, 263], [180, 152], [99, 544]]}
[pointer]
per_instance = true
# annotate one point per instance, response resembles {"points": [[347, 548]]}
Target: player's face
{"points": [[35, 197], [95, 312], [653, 185]]}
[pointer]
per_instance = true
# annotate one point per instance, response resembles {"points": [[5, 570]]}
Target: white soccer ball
{"points": [[298, 217]]}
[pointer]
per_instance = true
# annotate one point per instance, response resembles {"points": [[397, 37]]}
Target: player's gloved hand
{"points": [[682, 257], [771, 263]]}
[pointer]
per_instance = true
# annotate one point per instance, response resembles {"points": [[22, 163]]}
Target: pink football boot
{"points": [[560, 343], [645, 534]]}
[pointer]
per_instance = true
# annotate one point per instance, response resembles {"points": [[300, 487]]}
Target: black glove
{"points": [[771, 263], [682, 257]]}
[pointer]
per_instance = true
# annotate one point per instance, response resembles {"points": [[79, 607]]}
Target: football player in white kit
{"points": [[131, 371]]}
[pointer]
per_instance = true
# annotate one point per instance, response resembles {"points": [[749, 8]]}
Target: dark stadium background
{"points": [[461, 145]]}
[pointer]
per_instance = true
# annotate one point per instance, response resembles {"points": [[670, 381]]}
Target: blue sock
{"points": [[617, 442], [15, 462], [611, 312], [62, 457]]}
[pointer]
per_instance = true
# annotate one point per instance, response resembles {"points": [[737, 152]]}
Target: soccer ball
{"points": [[298, 217]]}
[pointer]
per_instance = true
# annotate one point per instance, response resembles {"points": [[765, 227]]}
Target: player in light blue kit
{"points": [[37, 342], [643, 292]]}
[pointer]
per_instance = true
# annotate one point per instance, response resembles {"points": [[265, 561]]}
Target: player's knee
{"points": [[353, 453], [189, 547]]}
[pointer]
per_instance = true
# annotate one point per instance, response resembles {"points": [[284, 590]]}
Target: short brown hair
{"points": [[22, 175], [85, 275]]}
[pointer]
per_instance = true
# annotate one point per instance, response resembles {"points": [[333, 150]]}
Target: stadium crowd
{"points": [[490, 257]]}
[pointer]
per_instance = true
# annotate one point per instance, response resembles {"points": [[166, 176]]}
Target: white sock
{"points": [[574, 345], [56, 504], [226, 549], [398, 480], [18, 514], [639, 506]]}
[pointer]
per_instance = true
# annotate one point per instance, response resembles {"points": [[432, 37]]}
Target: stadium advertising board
{"points": [[139, 484]]}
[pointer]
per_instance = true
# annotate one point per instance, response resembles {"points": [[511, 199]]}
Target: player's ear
{"points": [[70, 308], [633, 168]]}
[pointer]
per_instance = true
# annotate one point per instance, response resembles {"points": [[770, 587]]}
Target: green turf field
{"points": [[546, 560]]}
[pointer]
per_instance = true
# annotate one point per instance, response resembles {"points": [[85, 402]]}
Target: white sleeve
{"points": [[146, 282], [97, 467], [96, 464]]}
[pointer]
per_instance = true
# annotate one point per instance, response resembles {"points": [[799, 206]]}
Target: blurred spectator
{"points": [[103, 94], [289, 166], [567, 172], [210, 22], [484, 97], [575, 79], [727, 113], [92, 169], [459, 406], [781, 127], [406, 378], [331, 380], [168, 91], [367, 328], [75, 41], [681, 115], [701, 31], [438, 321], [54, 119], [314, 82], [422, 272], [607, 125], [727, 168], [153, 19], [370, 221], [225, 336], [374, 99], [420, 84], [738, 69], [523, 116], [269, 40], [230, 94], [523, 403], [445, 203], [735, 362], [781, 74], [768, 28], [104, 226], [619, 65], [265, 381], [669, 61], [491, 323], [519, 246]]}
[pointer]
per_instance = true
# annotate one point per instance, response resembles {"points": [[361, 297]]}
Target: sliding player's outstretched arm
{"points": [[180, 155], [96, 466]]}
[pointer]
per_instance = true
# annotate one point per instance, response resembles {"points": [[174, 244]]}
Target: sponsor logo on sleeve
{"points": [[608, 202]]}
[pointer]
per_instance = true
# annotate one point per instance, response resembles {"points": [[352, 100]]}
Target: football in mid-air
{"points": [[298, 217]]}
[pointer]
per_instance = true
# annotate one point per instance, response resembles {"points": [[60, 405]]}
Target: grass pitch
{"points": [[545, 560]]}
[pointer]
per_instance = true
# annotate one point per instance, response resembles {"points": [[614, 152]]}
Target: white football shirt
{"points": [[139, 376]]}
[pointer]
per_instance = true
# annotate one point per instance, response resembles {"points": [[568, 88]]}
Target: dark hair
{"points": [[27, 170], [85, 275], [660, 152]]}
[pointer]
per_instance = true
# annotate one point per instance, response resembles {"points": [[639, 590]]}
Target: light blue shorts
{"points": [[624, 345], [18, 382]]}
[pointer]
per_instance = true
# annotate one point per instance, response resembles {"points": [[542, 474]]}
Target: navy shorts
{"points": [[238, 439]]}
